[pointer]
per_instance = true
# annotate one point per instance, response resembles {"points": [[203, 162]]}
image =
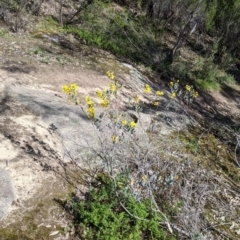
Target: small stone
{"points": [[53, 233]]}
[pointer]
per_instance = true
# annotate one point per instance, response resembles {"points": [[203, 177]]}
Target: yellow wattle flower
{"points": [[195, 94], [173, 95], [90, 103], [73, 87], [113, 87], [114, 138], [65, 89], [136, 99], [188, 88], [110, 75], [87, 98], [91, 112], [100, 94], [132, 124], [147, 88], [159, 93], [124, 122], [105, 102]]}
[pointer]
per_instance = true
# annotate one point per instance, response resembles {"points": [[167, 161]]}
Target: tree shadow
{"points": [[235, 72], [47, 107], [16, 67], [231, 93]]}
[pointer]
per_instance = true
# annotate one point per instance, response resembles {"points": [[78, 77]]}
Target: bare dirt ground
{"points": [[38, 126]]}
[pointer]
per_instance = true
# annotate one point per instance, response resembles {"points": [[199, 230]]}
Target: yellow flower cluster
{"points": [[195, 94], [90, 110], [105, 102], [136, 99], [173, 95], [132, 124], [72, 92], [172, 84], [124, 123], [114, 138], [103, 96], [71, 89], [113, 87], [89, 101], [188, 88], [147, 88], [159, 93], [110, 75], [188, 93], [191, 90]]}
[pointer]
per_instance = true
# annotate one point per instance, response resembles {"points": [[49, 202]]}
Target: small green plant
{"points": [[37, 51], [3, 32], [44, 60], [207, 74], [119, 32], [102, 216], [226, 78]]}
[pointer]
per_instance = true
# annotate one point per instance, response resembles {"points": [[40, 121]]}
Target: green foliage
{"points": [[226, 78], [209, 76], [118, 31], [3, 32], [102, 217], [12, 5], [210, 14]]}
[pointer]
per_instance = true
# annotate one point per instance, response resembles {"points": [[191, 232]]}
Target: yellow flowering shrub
{"points": [[173, 95], [114, 138], [188, 88], [124, 122], [147, 89], [89, 101], [136, 99], [105, 102], [132, 124], [187, 94], [159, 93], [110, 75], [101, 94], [72, 92], [123, 146], [91, 112], [113, 87]]}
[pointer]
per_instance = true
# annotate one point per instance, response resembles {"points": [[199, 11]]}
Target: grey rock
{"points": [[7, 194]]}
